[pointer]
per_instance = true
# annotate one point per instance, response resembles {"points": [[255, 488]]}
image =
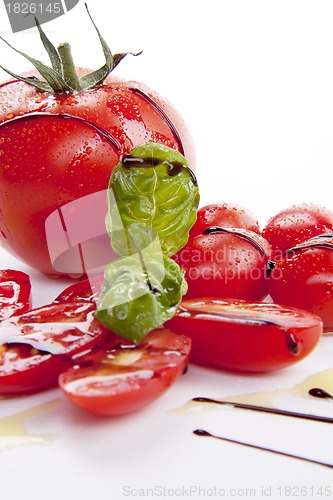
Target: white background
{"points": [[254, 81]]}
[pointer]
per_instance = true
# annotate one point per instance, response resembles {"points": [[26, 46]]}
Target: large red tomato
{"points": [[56, 148]]}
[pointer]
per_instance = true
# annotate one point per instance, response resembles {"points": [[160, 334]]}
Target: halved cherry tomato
{"points": [[304, 278], [25, 370], [226, 262], [245, 336], [295, 225], [225, 215], [15, 293], [125, 378], [36, 346], [86, 289]]}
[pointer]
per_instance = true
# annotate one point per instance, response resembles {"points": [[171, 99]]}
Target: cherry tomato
{"points": [[304, 278], [224, 215], [62, 147], [15, 293], [226, 263], [87, 289], [246, 336], [25, 370], [123, 379], [36, 346], [295, 225]]}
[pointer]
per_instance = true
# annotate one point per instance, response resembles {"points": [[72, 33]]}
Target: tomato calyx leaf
{"points": [[62, 77]]}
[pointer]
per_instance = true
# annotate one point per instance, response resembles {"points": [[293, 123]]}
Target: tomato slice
{"points": [[25, 370], [246, 336], [15, 293], [123, 379], [86, 289], [56, 328], [36, 346]]}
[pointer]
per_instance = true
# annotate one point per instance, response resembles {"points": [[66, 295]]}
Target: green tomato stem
{"points": [[68, 67]]}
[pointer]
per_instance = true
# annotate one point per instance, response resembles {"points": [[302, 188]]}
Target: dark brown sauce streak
{"points": [[36, 115], [264, 409], [246, 237], [203, 433], [218, 229], [323, 235], [174, 168], [163, 114], [293, 345], [16, 80], [313, 243], [316, 392]]}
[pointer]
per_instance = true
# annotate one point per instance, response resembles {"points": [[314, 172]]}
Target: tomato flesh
{"points": [[125, 378], [246, 336], [15, 293], [25, 370], [36, 346], [86, 290]]}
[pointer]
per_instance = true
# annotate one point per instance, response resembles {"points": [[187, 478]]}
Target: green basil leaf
{"points": [[152, 194], [139, 293]]}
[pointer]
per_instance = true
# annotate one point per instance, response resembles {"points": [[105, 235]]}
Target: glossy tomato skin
{"points": [[58, 148], [226, 263], [303, 278], [25, 370], [15, 293], [87, 289], [125, 378], [246, 337], [35, 347], [225, 215], [295, 225]]}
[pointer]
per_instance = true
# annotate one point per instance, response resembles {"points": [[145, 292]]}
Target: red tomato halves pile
{"points": [[63, 343], [234, 273], [226, 321]]}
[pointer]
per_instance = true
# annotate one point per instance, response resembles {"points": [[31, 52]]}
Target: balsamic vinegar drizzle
{"points": [[292, 343], [163, 114], [218, 229], [203, 433], [174, 168], [314, 386], [320, 241], [316, 392], [264, 409], [244, 236], [36, 114]]}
